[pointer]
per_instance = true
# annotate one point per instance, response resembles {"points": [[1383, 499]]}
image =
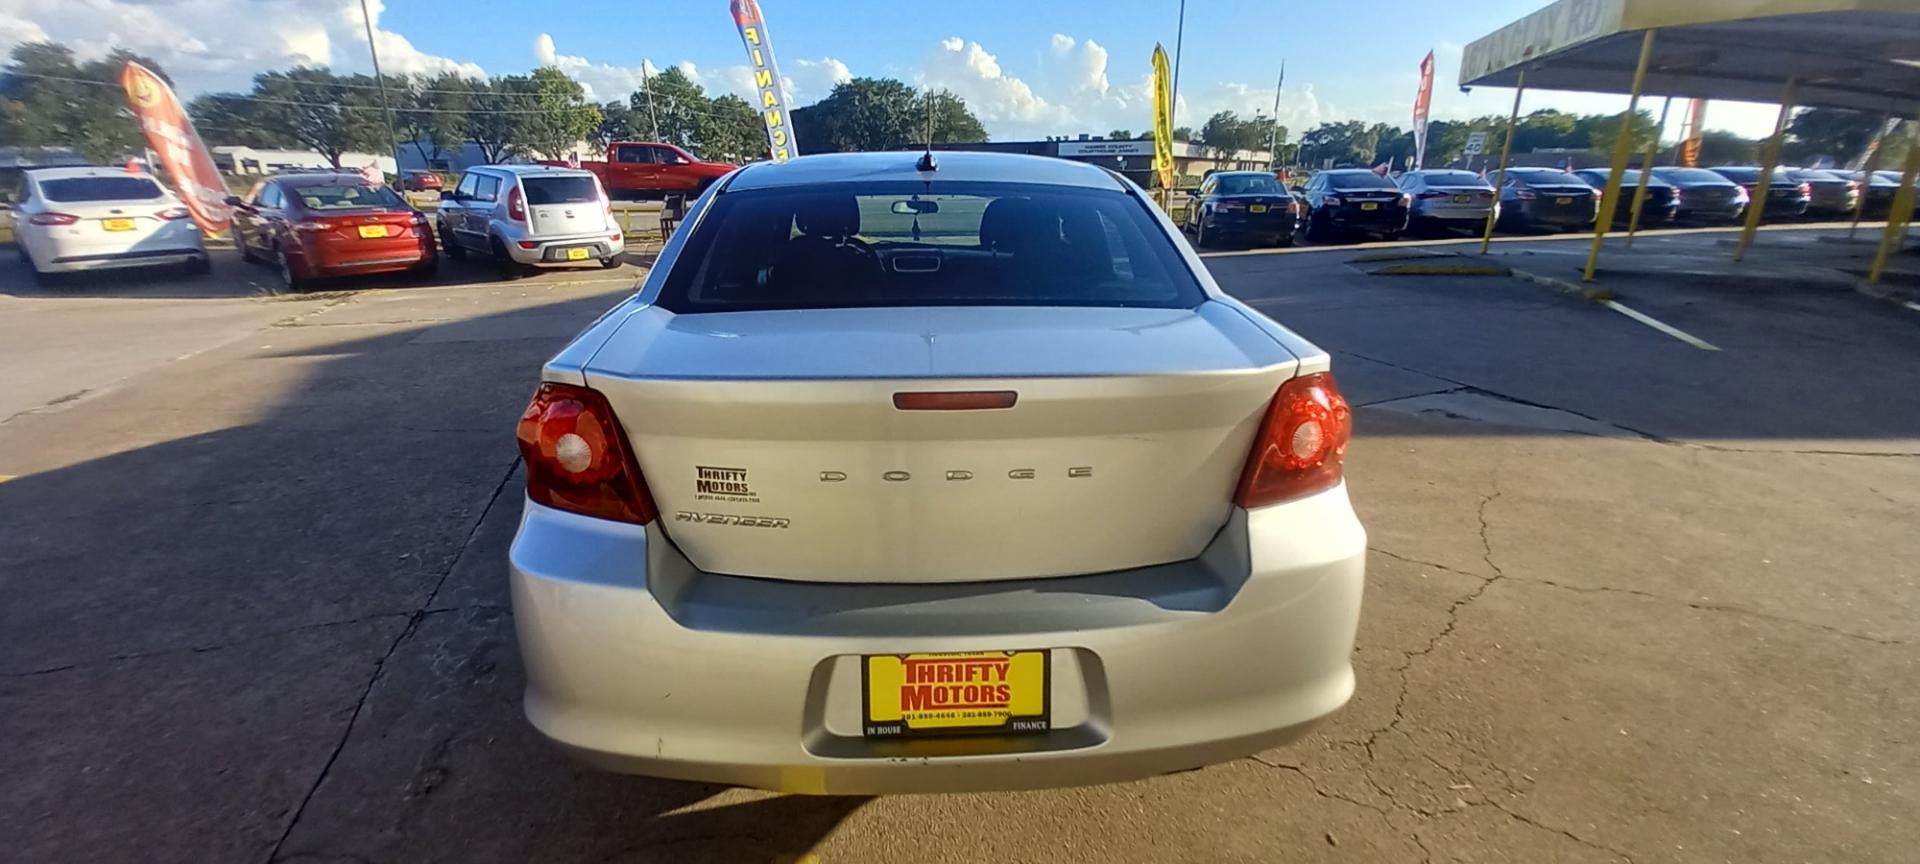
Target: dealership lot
{"points": [[1629, 599]]}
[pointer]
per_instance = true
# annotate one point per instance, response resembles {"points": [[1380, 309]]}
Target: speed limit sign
{"points": [[1476, 143]]}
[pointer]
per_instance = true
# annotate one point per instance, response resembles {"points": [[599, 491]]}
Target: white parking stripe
{"points": [[1661, 326]]}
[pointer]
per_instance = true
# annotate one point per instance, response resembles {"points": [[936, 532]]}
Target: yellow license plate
{"points": [[973, 692], [1463, 199], [1563, 201], [1369, 206], [117, 224], [1256, 208], [576, 254], [372, 232]]}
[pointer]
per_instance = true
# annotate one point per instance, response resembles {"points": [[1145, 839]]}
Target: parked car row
{"points": [[313, 226], [1354, 203]]}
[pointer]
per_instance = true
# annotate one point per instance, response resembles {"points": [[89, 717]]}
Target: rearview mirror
{"points": [[915, 207]]}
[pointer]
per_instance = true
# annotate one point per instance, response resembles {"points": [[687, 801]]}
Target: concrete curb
{"points": [[1461, 269], [1573, 289]]}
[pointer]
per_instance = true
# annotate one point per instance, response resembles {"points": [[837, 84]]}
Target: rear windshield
{"points": [[345, 197], [1688, 175], [1360, 180], [1453, 178], [919, 244], [1811, 176], [1248, 184], [76, 189], [1545, 176], [573, 189]]}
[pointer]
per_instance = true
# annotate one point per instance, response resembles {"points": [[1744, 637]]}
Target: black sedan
{"points": [[1705, 197], [1785, 196], [1352, 200], [1546, 199], [1247, 206], [1662, 203]]}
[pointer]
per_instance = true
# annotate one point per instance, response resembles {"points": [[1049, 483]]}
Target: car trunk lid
{"points": [[565, 205], [782, 452]]}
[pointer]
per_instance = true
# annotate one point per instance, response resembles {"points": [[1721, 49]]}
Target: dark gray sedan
{"points": [[1546, 199], [1446, 198], [1785, 197], [1705, 197], [1662, 204], [1828, 193]]}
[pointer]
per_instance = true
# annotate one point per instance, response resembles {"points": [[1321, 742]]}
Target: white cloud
{"points": [[602, 82], [1007, 105], [219, 44]]}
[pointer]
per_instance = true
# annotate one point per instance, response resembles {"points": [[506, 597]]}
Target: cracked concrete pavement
{"points": [[1626, 601]]}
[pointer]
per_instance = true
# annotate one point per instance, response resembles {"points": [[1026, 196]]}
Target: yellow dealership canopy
{"points": [[1862, 54]]}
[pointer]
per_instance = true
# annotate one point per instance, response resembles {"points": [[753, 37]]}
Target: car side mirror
{"points": [[1296, 188], [237, 204], [449, 195]]}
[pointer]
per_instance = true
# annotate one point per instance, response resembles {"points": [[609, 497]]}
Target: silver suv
{"points": [[525, 216]]}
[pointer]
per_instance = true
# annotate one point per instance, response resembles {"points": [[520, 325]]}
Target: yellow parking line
{"points": [[1659, 325]]}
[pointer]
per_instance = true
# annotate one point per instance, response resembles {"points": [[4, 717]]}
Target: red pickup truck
{"points": [[649, 169]]}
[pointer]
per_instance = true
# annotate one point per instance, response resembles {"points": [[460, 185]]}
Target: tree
{"points": [[230, 118], [883, 114], [1833, 133], [731, 130], [549, 112], [618, 122], [485, 122], [1348, 143], [1598, 132], [1120, 135], [1720, 147], [1182, 133], [327, 113], [675, 102], [48, 99]]}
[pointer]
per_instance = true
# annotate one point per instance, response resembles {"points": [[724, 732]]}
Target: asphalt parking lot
{"points": [[1629, 600]]}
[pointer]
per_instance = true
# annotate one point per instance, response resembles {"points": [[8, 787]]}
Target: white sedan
{"points": [[909, 478], [71, 219]]}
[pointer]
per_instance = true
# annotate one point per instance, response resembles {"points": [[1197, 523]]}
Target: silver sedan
{"points": [[1447, 198], [899, 477]]}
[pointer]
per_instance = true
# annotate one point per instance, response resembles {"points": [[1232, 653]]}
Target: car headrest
{"points": [[1009, 224], [828, 216]]}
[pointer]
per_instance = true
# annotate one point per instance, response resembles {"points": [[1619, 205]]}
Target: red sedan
{"points": [[317, 226], [420, 181]]}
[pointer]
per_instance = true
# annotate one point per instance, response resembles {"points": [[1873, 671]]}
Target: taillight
{"points": [[54, 219], [577, 458], [1525, 195], [173, 214], [1330, 201], [313, 226], [1806, 188], [516, 205], [1301, 443]]}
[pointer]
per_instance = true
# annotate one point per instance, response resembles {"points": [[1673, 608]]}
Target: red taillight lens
{"points": [[1806, 188], [1330, 201], [54, 219], [577, 458], [516, 205], [1301, 444]]}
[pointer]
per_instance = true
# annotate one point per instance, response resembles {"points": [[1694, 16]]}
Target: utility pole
{"points": [[1273, 142], [646, 89], [386, 108], [1179, 35]]}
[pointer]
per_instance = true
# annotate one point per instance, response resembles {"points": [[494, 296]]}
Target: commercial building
{"points": [[1132, 157]]}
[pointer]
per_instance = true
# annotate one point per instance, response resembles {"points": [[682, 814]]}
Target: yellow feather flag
{"points": [[1162, 118]]}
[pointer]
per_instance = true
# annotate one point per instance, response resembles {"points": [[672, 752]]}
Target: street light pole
{"points": [[386, 108], [1273, 139]]}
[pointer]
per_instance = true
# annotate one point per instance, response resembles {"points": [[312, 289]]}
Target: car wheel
{"points": [[290, 281], [428, 268], [503, 264], [200, 266], [1390, 236], [1316, 230], [1284, 240], [239, 243], [451, 243], [1200, 238], [612, 261]]}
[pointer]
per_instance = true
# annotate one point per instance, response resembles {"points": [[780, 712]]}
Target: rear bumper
{"points": [[1383, 219], [637, 662], [79, 260], [1263, 225], [550, 251]]}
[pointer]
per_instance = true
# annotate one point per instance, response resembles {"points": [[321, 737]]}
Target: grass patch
{"points": [[1442, 270]]}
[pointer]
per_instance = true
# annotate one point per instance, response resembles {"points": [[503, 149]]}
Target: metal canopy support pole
{"points": [[1646, 170], [1622, 145], [1866, 174], [1506, 152], [1763, 186], [1902, 214]]}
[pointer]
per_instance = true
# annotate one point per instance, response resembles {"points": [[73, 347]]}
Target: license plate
{"points": [[117, 224], [1782, 193], [1463, 199], [373, 231], [577, 254], [977, 692], [1369, 206], [1256, 208], [1563, 201]]}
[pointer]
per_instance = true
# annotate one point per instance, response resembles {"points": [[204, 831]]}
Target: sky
{"points": [[1028, 69]]}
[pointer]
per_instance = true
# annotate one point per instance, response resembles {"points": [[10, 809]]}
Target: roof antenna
{"points": [[926, 162]]}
